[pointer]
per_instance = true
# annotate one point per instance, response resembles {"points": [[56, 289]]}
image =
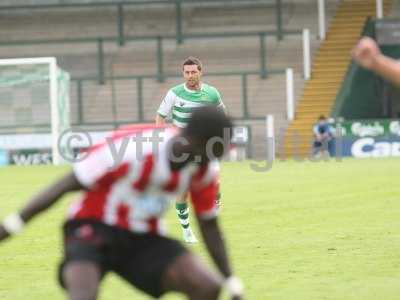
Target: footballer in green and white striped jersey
{"points": [[178, 105], [180, 101]]}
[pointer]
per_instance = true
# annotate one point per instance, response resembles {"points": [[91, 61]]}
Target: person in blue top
{"points": [[322, 137]]}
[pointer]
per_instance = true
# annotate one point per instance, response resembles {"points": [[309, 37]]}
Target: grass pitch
{"points": [[327, 230]]}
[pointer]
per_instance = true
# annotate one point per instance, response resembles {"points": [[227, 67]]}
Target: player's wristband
{"points": [[13, 224], [234, 286]]}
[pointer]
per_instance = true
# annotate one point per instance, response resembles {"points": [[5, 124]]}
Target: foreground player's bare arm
{"points": [[41, 202], [368, 55], [215, 244], [214, 241]]}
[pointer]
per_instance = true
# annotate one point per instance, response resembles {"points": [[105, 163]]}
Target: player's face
{"points": [[192, 76]]}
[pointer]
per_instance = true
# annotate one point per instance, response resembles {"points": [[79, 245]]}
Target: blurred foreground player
{"points": [[117, 223], [368, 55]]}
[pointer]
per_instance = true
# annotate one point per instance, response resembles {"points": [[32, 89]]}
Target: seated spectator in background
{"points": [[322, 137]]}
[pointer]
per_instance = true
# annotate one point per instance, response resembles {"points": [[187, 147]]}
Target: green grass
{"points": [[327, 230]]}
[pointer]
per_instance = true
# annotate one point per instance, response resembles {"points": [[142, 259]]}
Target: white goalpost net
{"points": [[34, 98]]}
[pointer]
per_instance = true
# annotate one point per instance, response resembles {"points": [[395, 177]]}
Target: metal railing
{"points": [[121, 38], [79, 120], [178, 4], [159, 42], [139, 101]]}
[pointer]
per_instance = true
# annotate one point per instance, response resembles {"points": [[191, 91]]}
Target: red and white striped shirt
{"points": [[130, 184]]}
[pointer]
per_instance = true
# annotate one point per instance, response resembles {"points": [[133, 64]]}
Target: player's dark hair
{"points": [[190, 61], [208, 122]]}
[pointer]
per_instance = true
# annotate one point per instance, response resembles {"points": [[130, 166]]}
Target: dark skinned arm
{"points": [[215, 244]]}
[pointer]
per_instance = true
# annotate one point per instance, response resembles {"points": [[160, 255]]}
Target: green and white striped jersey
{"points": [[180, 101]]}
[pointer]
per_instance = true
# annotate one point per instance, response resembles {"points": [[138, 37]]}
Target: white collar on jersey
{"points": [[192, 91]]}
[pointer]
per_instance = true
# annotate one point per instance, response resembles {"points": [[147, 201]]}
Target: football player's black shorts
{"points": [[141, 259]]}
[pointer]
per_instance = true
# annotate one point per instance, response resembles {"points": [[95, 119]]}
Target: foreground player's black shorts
{"points": [[141, 259]]}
